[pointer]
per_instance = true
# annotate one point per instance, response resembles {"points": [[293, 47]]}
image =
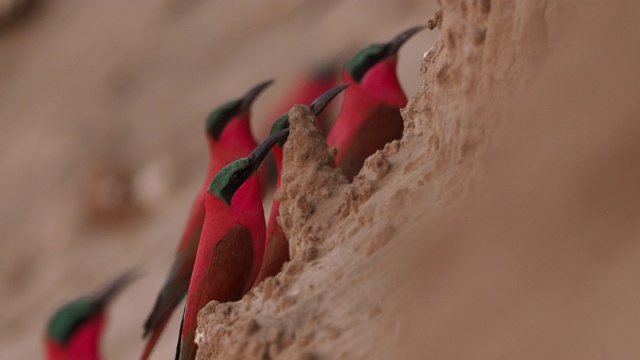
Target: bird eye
{"points": [[236, 176]]}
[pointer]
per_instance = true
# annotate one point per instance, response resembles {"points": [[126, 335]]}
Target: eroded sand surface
{"points": [[503, 225], [102, 149]]}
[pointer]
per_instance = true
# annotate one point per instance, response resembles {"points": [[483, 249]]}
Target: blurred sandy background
{"points": [[102, 108]]}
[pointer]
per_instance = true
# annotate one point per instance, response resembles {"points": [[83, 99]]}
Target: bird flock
{"points": [[226, 247]]}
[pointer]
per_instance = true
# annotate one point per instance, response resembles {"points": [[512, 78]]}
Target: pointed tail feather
{"points": [[157, 321], [153, 338], [162, 311]]}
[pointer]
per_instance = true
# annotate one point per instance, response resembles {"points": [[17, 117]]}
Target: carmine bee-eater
{"points": [[74, 331], [229, 136], [277, 246], [232, 242], [370, 113]]}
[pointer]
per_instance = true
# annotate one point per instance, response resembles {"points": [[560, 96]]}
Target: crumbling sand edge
{"points": [[330, 299]]}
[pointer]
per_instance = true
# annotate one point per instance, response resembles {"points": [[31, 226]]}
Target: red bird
{"points": [[231, 247], [370, 113], [74, 331], [277, 246], [229, 137]]}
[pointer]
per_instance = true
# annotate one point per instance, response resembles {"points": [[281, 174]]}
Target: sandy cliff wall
{"points": [[504, 224]]}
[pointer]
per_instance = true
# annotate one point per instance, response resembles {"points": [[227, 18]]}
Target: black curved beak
{"points": [[116, 286], [394, 45], [320, 103], [260, 152], [253, 93]]}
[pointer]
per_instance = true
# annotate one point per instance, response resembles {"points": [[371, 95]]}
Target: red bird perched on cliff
{"points": [[229, 136], [232, 243], [370, 113], [74, 331], [277, 246]]}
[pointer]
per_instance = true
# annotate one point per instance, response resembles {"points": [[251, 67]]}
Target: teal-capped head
{"points": [[220, 117], [223, 114], [317, 107], [365, 59], [70, 317], [280, 124], [231, 177], [373, 54]]}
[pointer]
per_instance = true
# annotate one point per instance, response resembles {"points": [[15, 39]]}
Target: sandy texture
{"points": [[102, 149], [503, 225]]}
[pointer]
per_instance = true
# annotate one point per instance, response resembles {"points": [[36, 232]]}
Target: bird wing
{"points": [[231, 263], [383, 124], [223, 280], [276, 253]]}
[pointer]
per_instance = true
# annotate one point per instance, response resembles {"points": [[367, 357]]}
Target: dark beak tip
{"points": [[253, 93], [120, 283], [263, 84], [266, 83], [407, 34], [321, 102], [261, 151], [396, 43]]}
